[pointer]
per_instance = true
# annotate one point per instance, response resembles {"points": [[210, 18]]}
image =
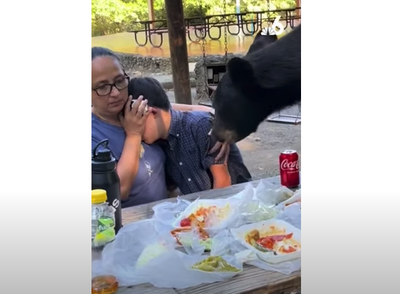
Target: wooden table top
{"points": [[251, 280]]}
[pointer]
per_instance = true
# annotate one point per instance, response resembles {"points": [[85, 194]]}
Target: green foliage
{"points": [[114, 16]]}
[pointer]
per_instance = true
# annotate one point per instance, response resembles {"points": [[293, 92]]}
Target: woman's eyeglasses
{"points": [[106, 89]]}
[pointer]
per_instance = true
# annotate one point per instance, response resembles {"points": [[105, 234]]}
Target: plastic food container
{"points": [[269, 257], [105, 284]]}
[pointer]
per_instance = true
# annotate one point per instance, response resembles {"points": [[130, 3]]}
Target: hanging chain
{"points": [[203, 47], [226, 36]]}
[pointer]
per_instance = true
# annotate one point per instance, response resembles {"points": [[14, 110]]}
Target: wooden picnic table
{"points": [[251, 280]]}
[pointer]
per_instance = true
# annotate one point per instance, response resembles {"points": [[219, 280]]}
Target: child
{"points": [[184, 136]]}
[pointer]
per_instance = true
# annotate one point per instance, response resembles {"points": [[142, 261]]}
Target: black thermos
{"points": [[104, 176]]}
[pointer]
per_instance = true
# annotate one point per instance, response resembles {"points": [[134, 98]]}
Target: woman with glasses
{"points": [[140, 167]]}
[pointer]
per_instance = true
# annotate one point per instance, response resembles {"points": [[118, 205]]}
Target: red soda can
{"points": [[289, 168]]}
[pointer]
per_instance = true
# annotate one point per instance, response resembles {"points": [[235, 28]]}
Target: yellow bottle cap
{"points": [[99, 196]]}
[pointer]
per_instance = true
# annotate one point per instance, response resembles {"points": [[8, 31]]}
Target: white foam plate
{"points": [[240, 233]]}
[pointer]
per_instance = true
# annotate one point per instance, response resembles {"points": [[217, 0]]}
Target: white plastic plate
{"points": [[240, 233]]}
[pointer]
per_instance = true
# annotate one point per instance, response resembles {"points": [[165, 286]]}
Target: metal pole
{"points": [[150, 8], [178, 50], [237, 6], [238, 10]]}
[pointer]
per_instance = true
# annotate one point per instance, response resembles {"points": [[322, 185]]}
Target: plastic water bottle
{"points": [[103, 219], [105, 177]]}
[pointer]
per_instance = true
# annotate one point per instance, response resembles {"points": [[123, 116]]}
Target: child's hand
{"points": [[135, 116]]}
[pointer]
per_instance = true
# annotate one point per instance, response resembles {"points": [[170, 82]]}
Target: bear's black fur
{"points": [[261, 41], [264, 81]]}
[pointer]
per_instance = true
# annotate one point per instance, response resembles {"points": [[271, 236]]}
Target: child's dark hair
{"points": [[101, 51], [151, 90]]}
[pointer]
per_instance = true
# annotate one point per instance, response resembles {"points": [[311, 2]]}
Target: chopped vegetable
{"points": [[214, 264], [205, 239], [272, 241], [204, 216], [185, 222], [150, 252], [289, 250]]}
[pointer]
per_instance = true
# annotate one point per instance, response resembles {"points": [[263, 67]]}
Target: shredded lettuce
{"points": [[150, 252], [187, 241]]}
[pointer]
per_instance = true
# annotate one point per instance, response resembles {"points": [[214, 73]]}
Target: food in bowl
{"points": [[205, 216], [273, 240]]}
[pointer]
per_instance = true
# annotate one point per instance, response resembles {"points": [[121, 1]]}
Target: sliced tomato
{"points": [[277, 238], [266, 243], [289, 250], [202, 234], [185, 222], [289, 236]]}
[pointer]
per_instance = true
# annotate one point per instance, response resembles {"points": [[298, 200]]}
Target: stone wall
{"points": [[148, 64]]}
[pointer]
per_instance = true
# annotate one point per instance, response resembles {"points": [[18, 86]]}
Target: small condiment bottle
{"points": [[103, 221], [105, 284]]}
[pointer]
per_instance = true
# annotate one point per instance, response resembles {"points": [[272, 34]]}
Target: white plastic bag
{"points": [[121, 257], [246, 194], [143, 254], [272, 195], [285, 268], [167, 212], [292, 215], [252, 209], [296, 198], [192, 242], [224, 244]]}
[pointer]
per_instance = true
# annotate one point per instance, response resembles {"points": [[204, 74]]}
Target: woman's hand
{"points": [[134, 119], [223, 153]]}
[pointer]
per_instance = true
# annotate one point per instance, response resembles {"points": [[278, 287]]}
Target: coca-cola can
{"points": [[289, 168]]}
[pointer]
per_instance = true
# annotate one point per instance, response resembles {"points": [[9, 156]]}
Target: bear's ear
{"points": [[243, 77], [241, 73]]}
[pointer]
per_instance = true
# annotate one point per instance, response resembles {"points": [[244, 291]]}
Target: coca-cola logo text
{"points": [[289, 165]]}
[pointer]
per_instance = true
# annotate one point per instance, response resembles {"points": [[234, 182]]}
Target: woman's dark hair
{"points": [[101, 51], [151, 90]]}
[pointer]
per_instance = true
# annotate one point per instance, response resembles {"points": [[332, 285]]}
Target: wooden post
{"points": [[150, 8], [298, 4], [178, 51]]}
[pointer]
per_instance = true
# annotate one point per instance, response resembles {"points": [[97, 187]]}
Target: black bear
{"points": [[264, 81], [261, 40]]}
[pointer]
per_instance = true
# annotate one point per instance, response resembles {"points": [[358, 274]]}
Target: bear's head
{"points": [[264, 81], [237, 103]]}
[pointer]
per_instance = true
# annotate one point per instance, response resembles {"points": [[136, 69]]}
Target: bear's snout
{"points": [[223, 135]]}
